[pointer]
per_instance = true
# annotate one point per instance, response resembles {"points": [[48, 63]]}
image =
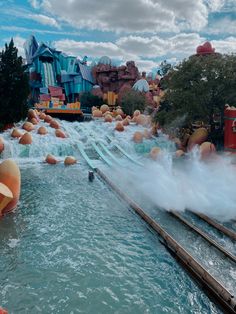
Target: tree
{"points": [[164, 68], [133, 100], [89, 100], [14, 86], [199, 88]]}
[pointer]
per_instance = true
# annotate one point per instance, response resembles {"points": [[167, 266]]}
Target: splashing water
{"points": [[207, 187]]}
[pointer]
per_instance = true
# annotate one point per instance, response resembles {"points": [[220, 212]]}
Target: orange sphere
{"points": [[119, 117], [32, 114], [42, 130], [50, 159], [207, 150], [197, 138], [34, 121], [125, 122], [138, 137], [1, 145], [28, 126], [42, 115], [70, 160], [108, 118], [47, 118], [179, 153], [119, 127], [136, 113], [10, 176], [104, 108], [54, 124], [97, 113], [26, 139], [128, 117], [141, 119], [60, 133], [120, 112], [155, 153], [16, 133]]}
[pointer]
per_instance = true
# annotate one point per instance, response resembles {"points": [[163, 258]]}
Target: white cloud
{"points": [[25, 14], [130, 16], [215, 5], [43, 19], [19, 29], [227, 45], [224, 25], [34, 3], [89, 48], [180, 45]]}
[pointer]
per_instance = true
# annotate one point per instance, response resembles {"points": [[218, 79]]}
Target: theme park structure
{"points": [[56, 79], [112, 82]]}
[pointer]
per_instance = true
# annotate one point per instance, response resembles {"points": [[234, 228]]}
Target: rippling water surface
{"points": [[74, 247]]}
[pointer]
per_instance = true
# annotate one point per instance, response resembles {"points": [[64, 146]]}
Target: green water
{"points": [[74, 247]]}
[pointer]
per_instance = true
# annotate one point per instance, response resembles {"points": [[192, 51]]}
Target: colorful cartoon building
{"points": [[54, 74]]}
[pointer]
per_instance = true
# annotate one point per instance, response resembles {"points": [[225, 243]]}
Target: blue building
{"points": [[49, 67]]}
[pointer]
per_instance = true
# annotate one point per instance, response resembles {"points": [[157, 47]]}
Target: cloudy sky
{"points": [[147, 31]]}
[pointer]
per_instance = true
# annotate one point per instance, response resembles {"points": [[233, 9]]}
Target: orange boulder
{"points": [[54, 124], [28, 126], [138, 137], [197, 138], [97, 113], [70, 160], [179, 153], [119, 117], [141, 119], [104, 108], [108, 118], [119, 127], [26, 139], [136, 113], [155, 153], [125, 122], [50, 159], [3, 311], [11, 178], [60, 133], [34, 121], [42, 130], [120, 112], [1, 145], [207, 150], [47, 118], [32, 114], [16, 133], [42, 115]]}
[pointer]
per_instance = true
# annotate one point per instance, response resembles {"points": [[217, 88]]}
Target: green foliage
{"points": [[14, 86], [88, 100], [164, 68], [133, 100], [198, 88]]}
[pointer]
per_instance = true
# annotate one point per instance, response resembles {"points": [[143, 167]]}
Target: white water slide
{"points": [[48, 75]]}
